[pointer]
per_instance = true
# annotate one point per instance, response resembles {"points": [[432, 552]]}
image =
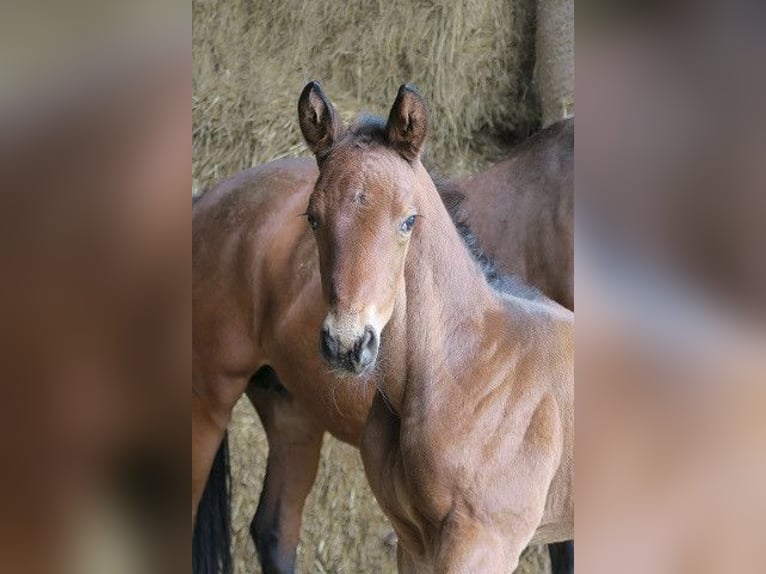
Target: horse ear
{"points": [[407, 126], [320, 125]]}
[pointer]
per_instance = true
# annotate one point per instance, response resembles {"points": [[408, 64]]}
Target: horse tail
{"points": [[211, 552], [562, 557]]}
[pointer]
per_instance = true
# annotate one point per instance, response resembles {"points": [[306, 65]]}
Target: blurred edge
{"points": [[670, 283], [95, 170]]}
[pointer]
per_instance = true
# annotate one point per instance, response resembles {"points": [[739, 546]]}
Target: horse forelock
{"points": [[367, 129]]}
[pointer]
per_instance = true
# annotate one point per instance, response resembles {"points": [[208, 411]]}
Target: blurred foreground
{"points": [[670, 285], [95, 172]]}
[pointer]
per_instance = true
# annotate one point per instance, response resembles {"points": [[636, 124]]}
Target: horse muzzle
{"points": [[356, 356]]}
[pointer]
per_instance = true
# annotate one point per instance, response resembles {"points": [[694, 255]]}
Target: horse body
{"points": [[464, 442], [468, 445]]}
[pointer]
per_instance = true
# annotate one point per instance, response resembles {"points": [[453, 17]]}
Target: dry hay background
{"points": [[474, 62], [471, 59]]}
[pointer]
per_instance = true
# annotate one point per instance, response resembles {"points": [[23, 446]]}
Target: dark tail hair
{"points": [[562, 557], [211, 552]]}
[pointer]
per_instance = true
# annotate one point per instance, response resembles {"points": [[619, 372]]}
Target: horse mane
{"points": [[368, 129], [453, 199]]}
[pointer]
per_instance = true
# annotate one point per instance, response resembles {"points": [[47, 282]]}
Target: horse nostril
{"points": [[328, 344], [371, 338], [368, 347]]}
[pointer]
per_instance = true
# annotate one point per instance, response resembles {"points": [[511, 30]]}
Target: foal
{"points": [[468, 444]]}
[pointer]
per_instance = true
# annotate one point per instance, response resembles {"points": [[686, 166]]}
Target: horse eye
{"points": [[406, 227], [313, 223]]}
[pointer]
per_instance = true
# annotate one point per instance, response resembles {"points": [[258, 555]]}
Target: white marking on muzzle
{"points": [[348, 329]]}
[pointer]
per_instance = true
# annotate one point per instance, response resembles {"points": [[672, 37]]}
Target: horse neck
{"points": [[440, 319]]}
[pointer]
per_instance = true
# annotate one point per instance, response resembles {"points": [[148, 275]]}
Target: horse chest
{"points": [[410, 493], [415, 501], [425, 482], [428, 491]]}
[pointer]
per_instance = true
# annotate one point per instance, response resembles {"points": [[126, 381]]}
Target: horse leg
{"points": [[211, 411], [562, 557], [295, 441], [210, 416], [406, 564]]}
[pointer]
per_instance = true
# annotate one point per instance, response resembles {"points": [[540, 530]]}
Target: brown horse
{"points": [[468, 444], [256, 288], [522, 211]]}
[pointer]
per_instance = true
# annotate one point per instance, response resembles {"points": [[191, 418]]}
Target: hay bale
{"points": [[253, 57], [554, 73]]}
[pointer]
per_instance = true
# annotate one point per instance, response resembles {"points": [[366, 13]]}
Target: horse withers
{"points": [[468, 444]]}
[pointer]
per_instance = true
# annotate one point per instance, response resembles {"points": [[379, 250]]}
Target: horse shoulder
{"points": [[239, 225]]}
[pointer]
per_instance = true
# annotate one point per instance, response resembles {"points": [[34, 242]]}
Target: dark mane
{"points": [[453, 199], [368, 129]]}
